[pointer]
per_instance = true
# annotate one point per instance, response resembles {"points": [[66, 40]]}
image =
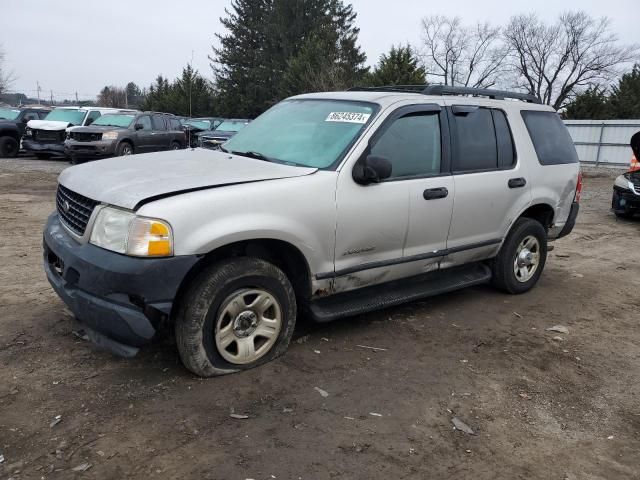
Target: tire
{"points": [[175, 146], [527, 236], [216, 301], [43, 156], [124, 149], [9, 147]]}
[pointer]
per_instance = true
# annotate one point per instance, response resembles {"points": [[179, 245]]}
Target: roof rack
{"points": [[450, 90]]}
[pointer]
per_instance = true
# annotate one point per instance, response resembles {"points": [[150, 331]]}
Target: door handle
{"points": [[517, 182], [433, 193]]}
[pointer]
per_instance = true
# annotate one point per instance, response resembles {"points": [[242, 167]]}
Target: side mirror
{"points": [[371, 169], [139, 126]]}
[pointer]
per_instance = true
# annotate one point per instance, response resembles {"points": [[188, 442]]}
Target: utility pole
{"points": [[190, 81], [38, 90], [51, 91], [77, 98]]}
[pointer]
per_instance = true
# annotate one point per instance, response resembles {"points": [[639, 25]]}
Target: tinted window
{"points": [[504, 140], [30, 116], [145, 122], [43, 114], [412, 144], [175, 124], [476, 147], [92, 116], [550, 138], [158, 122]]}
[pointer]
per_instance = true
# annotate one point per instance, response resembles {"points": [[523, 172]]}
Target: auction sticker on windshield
{"points": [[348, 117]]}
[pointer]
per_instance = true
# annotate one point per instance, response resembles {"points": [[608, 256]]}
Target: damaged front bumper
{"points": [[43, 147], [121, 300]]}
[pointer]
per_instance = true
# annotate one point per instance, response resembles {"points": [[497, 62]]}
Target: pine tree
{"points": [[592, 104], [624, 101], [398, 67], [276, 48]]}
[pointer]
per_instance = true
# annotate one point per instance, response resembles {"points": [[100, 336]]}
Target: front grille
{"points": [[86, 136], [74, 209], [55, 136]]}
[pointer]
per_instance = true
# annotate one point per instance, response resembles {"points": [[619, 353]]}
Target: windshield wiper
{"points": [[251, 154], [224, 150]]}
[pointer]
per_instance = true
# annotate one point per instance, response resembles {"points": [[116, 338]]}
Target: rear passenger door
{"points": [[491, 186], [161, 136]]}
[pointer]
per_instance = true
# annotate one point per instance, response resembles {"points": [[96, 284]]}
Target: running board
{"points": [[397, 292]]}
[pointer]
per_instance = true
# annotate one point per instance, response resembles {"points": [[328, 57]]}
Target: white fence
{"points": [[603, 142]]}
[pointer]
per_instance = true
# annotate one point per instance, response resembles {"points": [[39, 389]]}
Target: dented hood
{"points": [[48, 125], [131, 181]]}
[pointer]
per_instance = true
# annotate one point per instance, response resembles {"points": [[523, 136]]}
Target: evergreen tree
{"points": [[398, 67], [592, 104], [276, 48], [624, 101], [134, 95]]}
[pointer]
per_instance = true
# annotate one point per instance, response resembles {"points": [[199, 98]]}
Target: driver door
{"points": [[397, 228]]}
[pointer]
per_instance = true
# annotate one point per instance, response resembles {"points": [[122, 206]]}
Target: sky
{"points": [[80, 46]]}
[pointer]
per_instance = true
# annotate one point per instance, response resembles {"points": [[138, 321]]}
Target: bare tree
{"points": [[115, 97], [461, 55], [6, 77], [556, 61]]}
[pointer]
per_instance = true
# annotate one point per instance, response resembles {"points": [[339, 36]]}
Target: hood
{"points": [[131, 181], [95, 128], [48, 125]]}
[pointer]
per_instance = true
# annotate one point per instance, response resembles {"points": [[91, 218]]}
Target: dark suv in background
{"points": [[223, 132], [125, 134], [13, 122]]}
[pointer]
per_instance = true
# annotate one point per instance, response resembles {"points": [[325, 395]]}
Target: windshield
{"points": [[74, 117], [201, 124], [9, 113], [313, 133], [228, 126], [122, 121]]}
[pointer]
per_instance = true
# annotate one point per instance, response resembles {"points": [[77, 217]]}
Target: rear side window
{"points": [[175, 124], [158, 122], [412, 145], [550, 138], [475, 148], [504, 140]]}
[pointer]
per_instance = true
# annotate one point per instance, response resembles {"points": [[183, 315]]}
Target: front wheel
{"points": [[124, 149], [522, 257], [237, 314], [9, 147]]}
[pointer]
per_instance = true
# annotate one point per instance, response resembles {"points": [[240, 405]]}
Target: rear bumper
{"points": [[122, 300], [571, 221], [52, 148], [73, 148]]}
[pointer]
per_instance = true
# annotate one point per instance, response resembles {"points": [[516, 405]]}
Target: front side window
{"points": [[30, 116], [312, 133], [74, 117], [93, 116], [412, 145], [550, 137], [145, 121]]}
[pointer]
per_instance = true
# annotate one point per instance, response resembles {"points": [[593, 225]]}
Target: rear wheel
{"points": [[124, 149], [237, 314], [522, 257], [175, 146], [9, 147]]}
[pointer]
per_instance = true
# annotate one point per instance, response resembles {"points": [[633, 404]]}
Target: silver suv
{"points": [[326, 206]]}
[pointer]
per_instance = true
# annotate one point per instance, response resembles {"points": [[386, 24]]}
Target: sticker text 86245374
{"points": [[348, 117]]}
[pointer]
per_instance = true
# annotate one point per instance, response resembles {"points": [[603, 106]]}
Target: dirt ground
{"points": [[543, 408]]}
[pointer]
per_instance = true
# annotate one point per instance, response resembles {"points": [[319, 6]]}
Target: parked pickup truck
{"points": [[45, 138], [328, 205], [13, 122]]}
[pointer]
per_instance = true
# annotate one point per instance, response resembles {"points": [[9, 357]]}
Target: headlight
{"points": [[124, 232], [112, 135], [28, 132], [622, 182]]}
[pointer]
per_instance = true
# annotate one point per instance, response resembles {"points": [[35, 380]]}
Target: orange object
{"points": [[635, 164]]}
